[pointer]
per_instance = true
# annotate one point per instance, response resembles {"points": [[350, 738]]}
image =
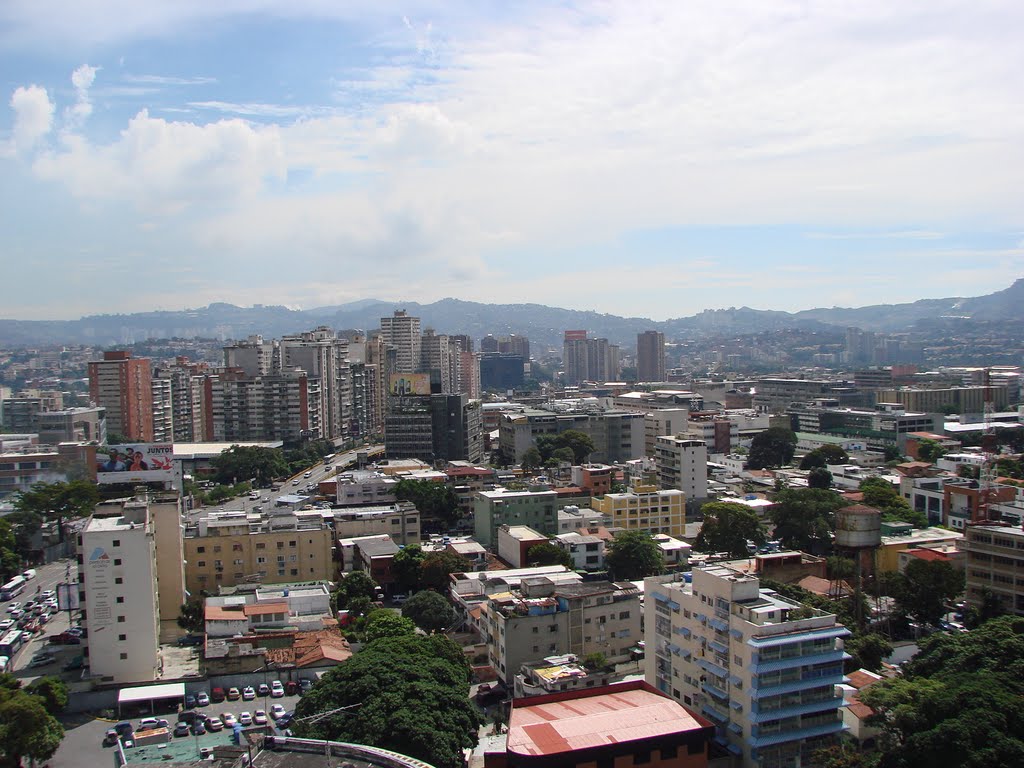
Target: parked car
{"points": [[77, 632], [245, 718], [399, 598], [264, 689], [276, 711], [199, 727], [188, 640], [276, 689], [217, 695], [229, 719], [181, 729], [41, 661], [12, 607], [76, 663], [291, 688], [259, 717], [248, 693], [202, 699], [110, 738], [65, 638], [214, 724], [150, 723], [285, 720], [234, 694], [304, 685], [190, 701], [47, 594], [6, 624], [124, 728]]}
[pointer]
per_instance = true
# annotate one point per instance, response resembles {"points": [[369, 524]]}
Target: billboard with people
{"points": [[135, 463]]}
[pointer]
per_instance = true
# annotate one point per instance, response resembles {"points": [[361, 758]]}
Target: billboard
{"points": [[67, 597], [409, 384], [135, 463]]}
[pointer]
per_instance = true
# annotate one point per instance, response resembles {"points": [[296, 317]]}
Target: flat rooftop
{"points": [[609, 715]]}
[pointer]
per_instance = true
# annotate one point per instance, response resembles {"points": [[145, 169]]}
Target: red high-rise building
{"points": [[124, 386]]}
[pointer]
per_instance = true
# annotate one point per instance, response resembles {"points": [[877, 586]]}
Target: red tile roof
{"points": [[265, 608], [928, 554], [220, 613]]}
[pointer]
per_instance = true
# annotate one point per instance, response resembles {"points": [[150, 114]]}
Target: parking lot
{"points": [[49, 658]]}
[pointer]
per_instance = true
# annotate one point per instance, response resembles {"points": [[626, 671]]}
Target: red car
{"points": [[217, 695]]}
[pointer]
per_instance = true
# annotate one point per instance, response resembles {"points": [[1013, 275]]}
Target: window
{"points": [[117, 561], [115, 543], [118, 580], [261, 560], [236, 547], [122, 638], [624, 615], [238, 562], [261, 545], [536, 630], [119, 599], [201, 563], [120, 619], [295, 571], [200, 550], [293, 543], [124, 656], [216, 547]]}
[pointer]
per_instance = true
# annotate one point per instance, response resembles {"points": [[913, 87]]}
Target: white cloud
{"points": [[168, 80], [168, 166], [33, 116], [82, 79]]}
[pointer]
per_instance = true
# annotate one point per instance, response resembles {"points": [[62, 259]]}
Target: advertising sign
{"points": [[67, 597], [135, 463], [409, 384]]}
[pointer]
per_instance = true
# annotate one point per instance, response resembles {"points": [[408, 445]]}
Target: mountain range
{"points": [[541, 324]]}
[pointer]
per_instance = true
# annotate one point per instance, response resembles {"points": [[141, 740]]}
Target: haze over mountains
{"points": [[541, 324]]}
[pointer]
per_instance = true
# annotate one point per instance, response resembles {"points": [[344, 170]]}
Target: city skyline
{"points": [[310, 154]]}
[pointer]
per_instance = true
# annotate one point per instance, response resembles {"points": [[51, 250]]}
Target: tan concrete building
{"points": [[544, 619], [995, 562], [645, 508], [237, 547]]}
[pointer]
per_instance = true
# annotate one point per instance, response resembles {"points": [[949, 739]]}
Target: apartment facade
{"points": [[763, 669], [617, 435], [650, 356], [682, 464], [230, 548], [995, 563], [645, 508], [546, 619], [537, 509], [122, 385], [401, 332]]}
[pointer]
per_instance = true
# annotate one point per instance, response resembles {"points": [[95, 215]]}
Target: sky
{"points": [[641, 159]]}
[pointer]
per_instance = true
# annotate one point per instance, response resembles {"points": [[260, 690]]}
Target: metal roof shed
{"points": [[150, 693]]}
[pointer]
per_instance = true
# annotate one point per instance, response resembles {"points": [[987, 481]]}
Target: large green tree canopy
{"points": [[727, 527], [59, 501], [430, 611], [634, 555], [408, 694], [434, 501], [772, 448], [805, 518], [247, 462], [958, 703]]}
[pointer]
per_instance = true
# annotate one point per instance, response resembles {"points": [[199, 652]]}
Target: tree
{"points": [[563, 455], [930, 451], [892, 453], [27, 729], [192, 618], [355, 584], [926, 587], [59, 501], [595, 661], [52, 691], [410, 694], [531, 459], [548, 554], [634, 555], [728, 527], [991, 608], [10, 560], [772, 448], [883, 496], [406, 567], [437, 568], [430, 611], [868, 651], [823, 456], [805, 518], [434, 501], [842, 755], [819, 478], [384, 623], [250, 462], [581, 443]]}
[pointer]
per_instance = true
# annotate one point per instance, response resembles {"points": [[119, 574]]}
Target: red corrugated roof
{"points": [[928, 554], [585, 721], [264, 608]]}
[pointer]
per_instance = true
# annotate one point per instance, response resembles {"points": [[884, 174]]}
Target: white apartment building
{"points": [[120, 593], [682, 464], [764, 669], [402, 333]]}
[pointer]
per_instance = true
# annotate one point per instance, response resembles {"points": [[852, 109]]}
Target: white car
{"points": [[248, 693], [276, 711], [276, 689], [259, 717], [228, 718], [48, 594], [245, 719], [6, 624], [12, 607]]}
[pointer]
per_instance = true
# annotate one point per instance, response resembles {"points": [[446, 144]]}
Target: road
{"points": [[47, 577], [268, 498]]}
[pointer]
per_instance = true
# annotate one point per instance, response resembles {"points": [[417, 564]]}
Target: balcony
{"points": [[802, 684], [764, 715], [796, 734], [760, 667], [714, 690]]}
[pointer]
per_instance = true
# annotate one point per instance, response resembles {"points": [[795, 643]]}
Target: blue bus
{"points": [[13, 588]]}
